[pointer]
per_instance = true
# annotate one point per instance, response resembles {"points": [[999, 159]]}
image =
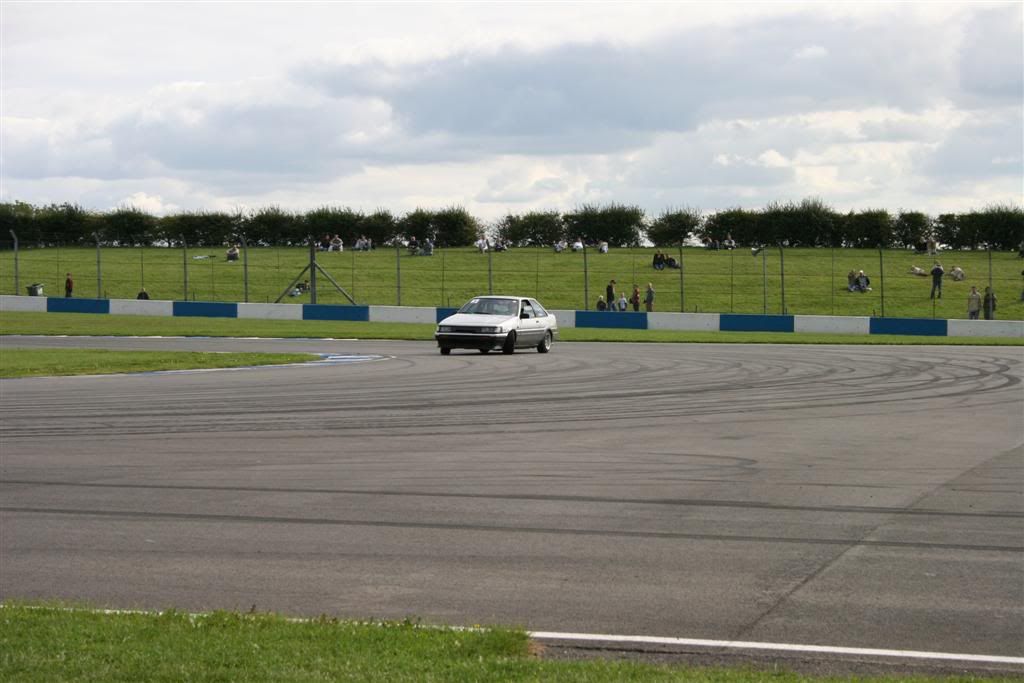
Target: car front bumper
{"points": [[465, 340]]}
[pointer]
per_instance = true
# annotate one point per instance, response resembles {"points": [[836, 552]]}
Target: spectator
{"points": [[659, 260], [933, 247], [671, 262], [914, 270], [601, 305], [623, 303], [500, 245], [851, 281], [602, 247], [481, 244], [428, 248], [414, 245], [957, 274], [325, 243], [973, 303], [729, 242], [861, 282], [937, 273], [635, 298], [577, 245], [560, 246], [988, 304], [232, 253], [69, 286], [142, 295], [337, 244], [649, 298], [609, 294]]}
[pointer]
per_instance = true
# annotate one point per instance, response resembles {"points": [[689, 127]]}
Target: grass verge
{"points": [[54, 644], [84, 324], [53, 362]]}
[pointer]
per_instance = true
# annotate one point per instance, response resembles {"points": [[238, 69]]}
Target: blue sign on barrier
{"points": [[443, 313], [740, 322], [333, 312], [916, 326], [608, 319], [67, 305], [205, 309]]}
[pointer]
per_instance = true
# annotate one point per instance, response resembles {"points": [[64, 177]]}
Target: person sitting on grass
{"points": [[914, 270], [601, 305], [957, 274], [232, 253], [659, 260], [861, 283]]}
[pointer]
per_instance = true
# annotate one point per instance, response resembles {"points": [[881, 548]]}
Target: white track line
{"points": [[786, 647]]}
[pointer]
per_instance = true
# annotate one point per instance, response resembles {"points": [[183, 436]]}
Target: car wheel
{"points": [[445, 350], [485, 350], [510, 343], [545, 343]]}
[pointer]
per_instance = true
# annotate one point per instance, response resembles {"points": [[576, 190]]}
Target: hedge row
{"points": [[808, 223]]}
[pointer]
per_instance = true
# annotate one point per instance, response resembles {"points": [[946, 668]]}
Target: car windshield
{"points": [[507, 307]]}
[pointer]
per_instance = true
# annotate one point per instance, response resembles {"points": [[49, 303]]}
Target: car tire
{"points": [[545, 343], [445, 350], [510, 343], [485, 350]]}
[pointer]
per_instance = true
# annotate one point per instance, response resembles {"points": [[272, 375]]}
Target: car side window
{"points": [[528, 310], [538, 309]]}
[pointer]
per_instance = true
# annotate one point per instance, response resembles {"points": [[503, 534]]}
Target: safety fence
{"points": [[776, 281], [711, 322]]}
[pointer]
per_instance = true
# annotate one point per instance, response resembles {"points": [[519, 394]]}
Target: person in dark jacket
{"points": [[988, 304], [143, 294], [69, 286], [609, 294], [937, 273]]}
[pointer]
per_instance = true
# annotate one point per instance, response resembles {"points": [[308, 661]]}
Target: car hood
{"points": [[476, 319]]}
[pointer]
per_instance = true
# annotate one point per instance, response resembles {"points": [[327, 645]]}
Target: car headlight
{"points": [[445, 328], [492, 330]]}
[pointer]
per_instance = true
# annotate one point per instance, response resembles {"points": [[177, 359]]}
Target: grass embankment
{"points": [[712, 281], [86, 324], [53, 362], [51, 644]]}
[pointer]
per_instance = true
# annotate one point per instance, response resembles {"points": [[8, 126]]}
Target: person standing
{"points": [[69, 286], [609, 294], [649, 298], [937, 273], [635, 298], [143, 295], [988, 304], [973, 303]]}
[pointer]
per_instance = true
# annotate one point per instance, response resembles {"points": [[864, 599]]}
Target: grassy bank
{"points": [[54, 362], [86, 324], [49, 644], [711, 281]]}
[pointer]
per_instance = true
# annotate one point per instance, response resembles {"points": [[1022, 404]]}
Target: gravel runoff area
{"points": [[845, 496]]}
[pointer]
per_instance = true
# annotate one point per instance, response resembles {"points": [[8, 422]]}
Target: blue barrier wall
{"points": [[622, 321], [55, 305], [331, 312], [917, 326], [443, 313], [738, 322], [205, 309]]}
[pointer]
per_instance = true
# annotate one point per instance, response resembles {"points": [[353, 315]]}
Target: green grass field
{"points": [[50, 644], [711, 281], [74, 324], [53, 362]]}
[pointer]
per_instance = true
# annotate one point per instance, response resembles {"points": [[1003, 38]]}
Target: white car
{"points": [[498, 322]]}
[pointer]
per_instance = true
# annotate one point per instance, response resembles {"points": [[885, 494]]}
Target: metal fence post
{"points": [[16, 283], [682, 281], [764, 280], [586, 280], [142, 267], [245, 267], [398, 269], [99, 269], [990, 266], [442, 276], [312, 270], [732, 276], [184, 259], [782, 275], [490, 271], [881, 277]]}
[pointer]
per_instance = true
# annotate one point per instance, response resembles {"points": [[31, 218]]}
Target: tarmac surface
{"points": [[866, 497]]}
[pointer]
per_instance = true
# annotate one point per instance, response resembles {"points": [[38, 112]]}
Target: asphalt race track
{"points": [[868, 497]]}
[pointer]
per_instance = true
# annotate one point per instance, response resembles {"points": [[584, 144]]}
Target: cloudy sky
{"points": [[511, 107]]}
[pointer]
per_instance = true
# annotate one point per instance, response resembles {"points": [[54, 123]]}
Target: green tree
{"points": [[380, 227], [64, 224], [534, 228], [911, 228], [271, 225], [866, 229], [616, 224], [742, 224], [346, 223], [675, 226], [127, 226], [455, 227]]}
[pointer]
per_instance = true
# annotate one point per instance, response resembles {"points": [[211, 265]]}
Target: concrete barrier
{"points": [[270, 311], [334, 312], [565, 319], [141, 307], [831, 324], [402, 314], [609, 320], [691, 322], [23, 304], [71, 305], [204, 309], [912, 326], [742, 322], [986, 328]]}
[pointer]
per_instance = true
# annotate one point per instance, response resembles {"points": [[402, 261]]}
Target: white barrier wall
{"points": [[141, 307], [700, 322], [985, 328], [270, 311], [402, 314], [23, 304], [565, 319], [829, 324]]}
